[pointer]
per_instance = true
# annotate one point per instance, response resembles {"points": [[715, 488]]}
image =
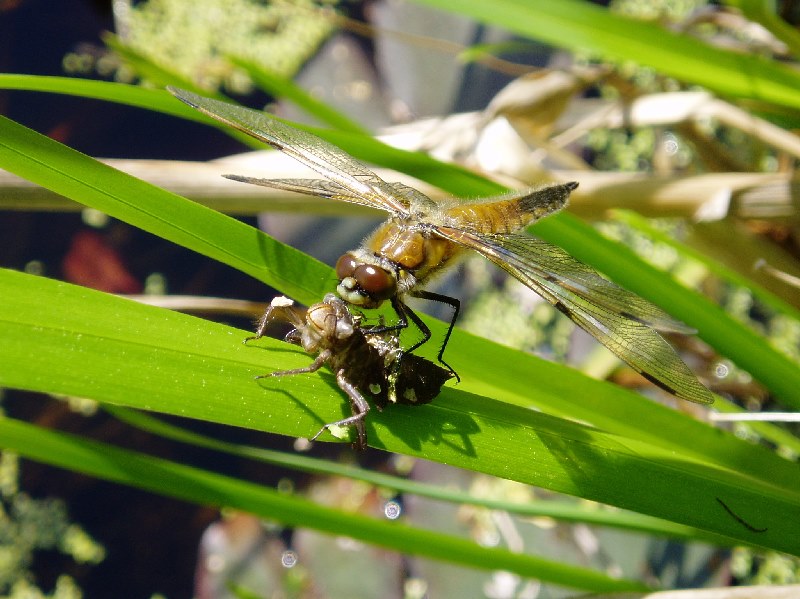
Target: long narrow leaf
{"points": [[281, 87], [208, 488], [561, 510], [63, 339], [581, 26], [76, 176], [129, 95]]}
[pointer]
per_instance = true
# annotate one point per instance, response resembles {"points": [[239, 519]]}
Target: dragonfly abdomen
{"points": [[510, 213]]}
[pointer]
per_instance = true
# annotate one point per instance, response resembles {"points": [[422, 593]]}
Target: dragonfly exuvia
{"points": [[364, 362]]}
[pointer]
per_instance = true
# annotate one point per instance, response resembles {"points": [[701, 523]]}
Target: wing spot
{"points": [[563, 309], [660, 383]]}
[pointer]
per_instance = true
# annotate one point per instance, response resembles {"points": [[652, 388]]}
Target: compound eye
{"points": [[376, 282], [345, 266]]}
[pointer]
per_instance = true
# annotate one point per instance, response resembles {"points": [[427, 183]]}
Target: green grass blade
{"points": [[63, 339], [208, 488], [582, 26], [567, 511], [76, 176], [149, 70], [280, 87], [120, 93], [725, 273], [763, 13]]}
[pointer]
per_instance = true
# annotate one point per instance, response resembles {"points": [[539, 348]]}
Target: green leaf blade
{"points": [[67, 340], [76, 176], [204, 487], [579, 26]]}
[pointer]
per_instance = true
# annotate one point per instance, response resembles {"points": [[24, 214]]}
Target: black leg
{"points": [[405, 313], [453, 303], [400, 309]]}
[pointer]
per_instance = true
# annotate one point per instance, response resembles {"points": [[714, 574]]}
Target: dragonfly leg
{"points": [[318, 363], [359, 407], [404, 313], [280, 310], [444, 299]]}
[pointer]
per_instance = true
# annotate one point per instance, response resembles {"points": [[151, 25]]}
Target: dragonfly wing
{"points": [[551, 263], [328, 189], [413, 197], [322, 188], [329, 161], [595, 304]]}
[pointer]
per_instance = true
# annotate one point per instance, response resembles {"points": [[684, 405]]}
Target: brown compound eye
{"points": [[345, 266], [376, 282]]}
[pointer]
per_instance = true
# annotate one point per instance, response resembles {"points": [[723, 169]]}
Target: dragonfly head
{"points": [[364, 284]]}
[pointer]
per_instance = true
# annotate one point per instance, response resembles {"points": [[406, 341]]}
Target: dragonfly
{"points": [[364, 362], [423, 236]]}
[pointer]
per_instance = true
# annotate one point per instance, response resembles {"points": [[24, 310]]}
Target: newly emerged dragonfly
{"points": [[364, 362], [422, 236]]}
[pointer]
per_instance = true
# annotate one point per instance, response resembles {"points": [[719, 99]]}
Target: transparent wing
{"points": [[315, 187], [328, 189], [413, 197], [326, 159], [619, 319], [551, 263]]}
